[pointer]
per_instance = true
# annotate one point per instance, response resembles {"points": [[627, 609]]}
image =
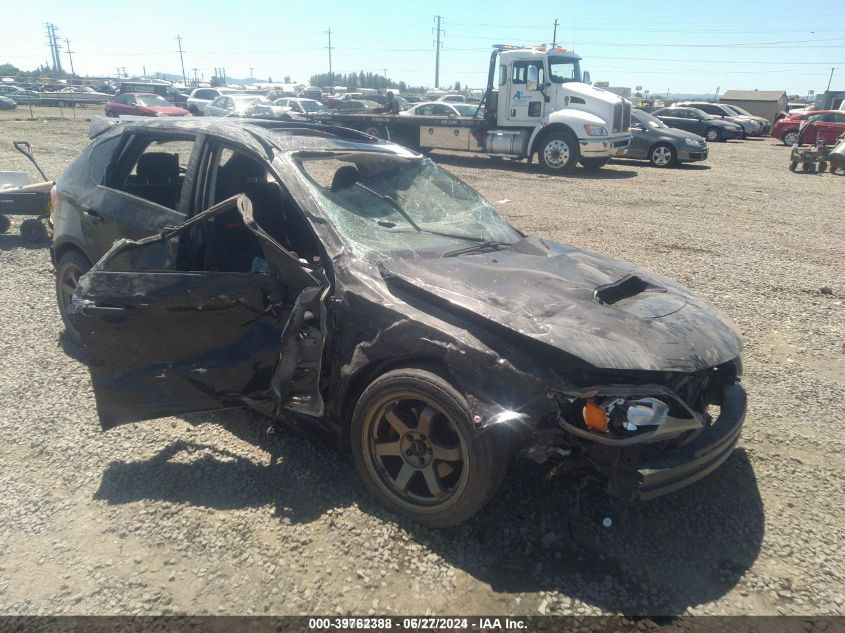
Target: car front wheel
{"points": [[662, 155], [713, 134], [416, 449], [72, 265], [790, 138]]}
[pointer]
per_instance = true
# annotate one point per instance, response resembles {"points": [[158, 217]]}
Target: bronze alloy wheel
{"points": [[72, 265], [415, 453], [418, 451]]}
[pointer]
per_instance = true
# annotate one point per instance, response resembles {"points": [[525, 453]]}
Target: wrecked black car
{"points": [[320, 275]]}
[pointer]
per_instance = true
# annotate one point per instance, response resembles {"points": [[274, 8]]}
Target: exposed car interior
{"points": [[152, 169], [233, 246]]}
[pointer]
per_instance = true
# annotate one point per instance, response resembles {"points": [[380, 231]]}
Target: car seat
{"points": [[156, 179]]}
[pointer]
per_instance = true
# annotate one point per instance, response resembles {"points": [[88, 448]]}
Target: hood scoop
{"points": [[638, 297]]}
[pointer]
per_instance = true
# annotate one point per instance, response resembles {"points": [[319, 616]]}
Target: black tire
{"points": [[822, 166], [713, 134], [34, 231], [418, 415], [594, 163], [110, 114], [663, 155], [558, 152], [810, 168], [793, 165], [72, 265], [5, 223], [379, 131], [790, 137]]}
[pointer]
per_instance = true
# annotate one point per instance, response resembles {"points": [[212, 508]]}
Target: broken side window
{"points": [[152, 169]]}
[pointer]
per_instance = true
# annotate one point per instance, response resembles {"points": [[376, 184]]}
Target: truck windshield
{"points": [[360, 193], [564, 69]]}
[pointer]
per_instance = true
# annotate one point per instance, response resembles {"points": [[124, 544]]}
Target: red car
{"points": [[825, 125], [142, 104]]}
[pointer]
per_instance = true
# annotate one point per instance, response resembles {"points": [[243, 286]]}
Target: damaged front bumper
{"points": [[639, 472], [689, 463], [645, 462]]}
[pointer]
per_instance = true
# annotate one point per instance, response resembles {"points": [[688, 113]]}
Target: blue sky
{"points": [[684, 47]]}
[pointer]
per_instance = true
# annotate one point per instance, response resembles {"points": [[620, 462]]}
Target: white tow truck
{"points": [[541, 105]]}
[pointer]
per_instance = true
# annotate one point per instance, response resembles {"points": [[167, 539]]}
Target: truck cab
{"points": [[542, 92]]}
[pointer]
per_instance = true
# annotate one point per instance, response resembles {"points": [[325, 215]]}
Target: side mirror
{"points": [[532, 79], [586, 77]]}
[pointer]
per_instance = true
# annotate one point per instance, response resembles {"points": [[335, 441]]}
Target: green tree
{"points": [[9, 70]]}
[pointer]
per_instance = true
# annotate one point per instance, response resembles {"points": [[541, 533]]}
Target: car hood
{"points": [[676, 133], [609, 314], [171, 110], [726, 122]]}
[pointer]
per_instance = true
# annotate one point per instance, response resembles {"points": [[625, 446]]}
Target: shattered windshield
{"points": [[386, 207]]}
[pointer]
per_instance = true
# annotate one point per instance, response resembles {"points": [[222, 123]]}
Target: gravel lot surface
{"points": [[211, 514]]}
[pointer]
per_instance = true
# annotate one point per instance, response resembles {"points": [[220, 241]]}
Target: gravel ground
{"points": [[211, 514]]}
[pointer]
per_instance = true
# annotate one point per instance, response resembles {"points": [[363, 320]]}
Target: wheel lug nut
{"points": [[422, 461], [408, 452]]}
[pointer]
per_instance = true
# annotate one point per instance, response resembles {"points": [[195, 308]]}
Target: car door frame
{"points": [[109, 214], [137, 379]]}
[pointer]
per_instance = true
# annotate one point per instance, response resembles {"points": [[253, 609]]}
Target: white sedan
{"points": [[301, 105], [244, 105], [441, 108]]}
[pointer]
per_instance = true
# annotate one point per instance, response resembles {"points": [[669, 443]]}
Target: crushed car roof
{"points": [[283, 135]]}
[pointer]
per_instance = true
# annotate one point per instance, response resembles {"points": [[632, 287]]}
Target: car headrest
{"points": [[158, 167], [344, 177]]}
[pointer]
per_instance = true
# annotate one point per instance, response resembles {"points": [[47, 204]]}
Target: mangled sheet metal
{"points": [[556, 351]]}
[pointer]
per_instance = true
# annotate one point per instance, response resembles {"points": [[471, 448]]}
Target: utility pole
{"points": [[57, 47], [438, 45], [195, 74], [181, 59], [330, 47], [70, 56], [250, 72], [831, 79], [50, 43], [54, 46], [554, 37]]}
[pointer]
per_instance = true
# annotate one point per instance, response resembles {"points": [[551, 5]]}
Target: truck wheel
{"points": [[559, 152], [662, 155], [790, 138], [5, 223], [72, 265], [34, 231], [417, 452], [110, 114], [594, 163]]}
